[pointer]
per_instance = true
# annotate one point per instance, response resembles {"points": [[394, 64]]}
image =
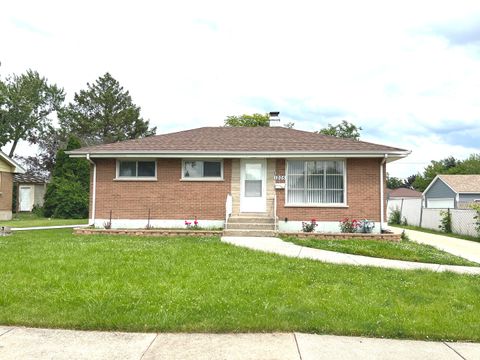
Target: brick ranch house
{"points": [[220, 173], [7, 168]]}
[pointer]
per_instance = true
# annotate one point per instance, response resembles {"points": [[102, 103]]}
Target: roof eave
{"points": [[392, 155], [17, 167]]}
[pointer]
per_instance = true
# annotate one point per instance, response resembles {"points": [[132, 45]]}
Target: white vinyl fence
{"points": [[463, 221]]}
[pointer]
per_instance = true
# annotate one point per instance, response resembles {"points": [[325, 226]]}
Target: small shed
{"points": [[30, 191], [452, 191]]}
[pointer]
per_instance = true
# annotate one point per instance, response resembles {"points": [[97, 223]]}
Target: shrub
{"points": [[446, 221], [476, 207], [395, 217], [309, 226], [349, 226], [66, 199], [38, 210], [404, 221]]}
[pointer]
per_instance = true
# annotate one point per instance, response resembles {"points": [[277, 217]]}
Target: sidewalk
{"points": [[469, 250], [48, 227], [27, 343], [278, 246]]}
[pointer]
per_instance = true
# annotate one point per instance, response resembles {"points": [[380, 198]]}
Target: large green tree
{"points": [[67, 192], [394, 182], [27, 104], [444, 166], [104, 113], [248, 120], [342, 130]]}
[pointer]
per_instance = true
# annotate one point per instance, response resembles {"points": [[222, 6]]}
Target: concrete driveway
{"points": [[469, 250], [27, 343]]}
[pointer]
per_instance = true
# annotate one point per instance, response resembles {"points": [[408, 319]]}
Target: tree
{"points": [[444, 166], [104, 113], [49, 142], [342, 130], [67, 193], [248, 120], [26, 103], [394, 182], [409, 181]]}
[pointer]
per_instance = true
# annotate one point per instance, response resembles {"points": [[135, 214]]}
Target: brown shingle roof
{"points": [[29, 179], [462, 183], [240, 139], [403, 193]]}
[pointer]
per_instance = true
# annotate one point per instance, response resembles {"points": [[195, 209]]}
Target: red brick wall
{"points": [[363, 195], [167, 198], [6, 189], [170, 198]]}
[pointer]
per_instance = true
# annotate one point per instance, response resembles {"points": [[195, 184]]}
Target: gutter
{"points": [[382, 205], [94, 195]]}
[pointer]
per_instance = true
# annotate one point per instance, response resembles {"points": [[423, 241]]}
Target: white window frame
{"points": [[340, 205], [135, 178], [183, 178]]}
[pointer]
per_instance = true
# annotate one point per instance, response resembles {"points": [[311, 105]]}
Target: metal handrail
{"points": [[275, 211], [228, 209]]}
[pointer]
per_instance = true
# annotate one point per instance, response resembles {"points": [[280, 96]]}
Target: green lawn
{"points": [[418, 228], [31, 220], [403, 250], [51, 278]]}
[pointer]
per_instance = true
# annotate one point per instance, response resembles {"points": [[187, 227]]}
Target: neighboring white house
{"points": [[452, 192]]}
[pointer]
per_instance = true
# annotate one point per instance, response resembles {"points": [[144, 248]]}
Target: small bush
{"points": [[476, 207], [349, 226], [404, 221], [404, 236], [395, 217], [309, 226], [37, 210], [446, 221]]}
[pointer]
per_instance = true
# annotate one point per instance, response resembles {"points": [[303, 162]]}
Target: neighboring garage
{"points": [[452, 192], [30, 191]]}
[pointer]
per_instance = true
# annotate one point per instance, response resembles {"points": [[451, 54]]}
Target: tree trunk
{"points": [[12, 150]]}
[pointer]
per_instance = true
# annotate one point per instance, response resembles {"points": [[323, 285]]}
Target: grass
{"points": [[53, 279], [32, 220], [436, 232], [403, 250]]}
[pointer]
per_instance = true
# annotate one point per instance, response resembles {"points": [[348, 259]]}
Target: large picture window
{"points": [[202, 169], [128, 169], [315, 182]]}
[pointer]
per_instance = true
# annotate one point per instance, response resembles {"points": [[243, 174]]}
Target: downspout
{"points": [[94, 195], [382, 216]]}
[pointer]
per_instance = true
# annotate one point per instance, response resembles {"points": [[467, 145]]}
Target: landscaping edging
{"points": [[147, 232], [343, 236]]}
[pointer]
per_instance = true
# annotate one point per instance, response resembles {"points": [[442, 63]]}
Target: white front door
{"points": [[253, 196], [25, 197]]}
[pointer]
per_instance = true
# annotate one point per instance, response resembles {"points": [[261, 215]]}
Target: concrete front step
{"points": [[251, 226], [250, 220], [239, 232]]}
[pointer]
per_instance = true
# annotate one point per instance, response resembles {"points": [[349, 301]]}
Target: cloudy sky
{"points": [[408, 73]]}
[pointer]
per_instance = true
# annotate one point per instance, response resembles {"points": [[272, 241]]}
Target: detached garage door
{"points": [[440, 203]]}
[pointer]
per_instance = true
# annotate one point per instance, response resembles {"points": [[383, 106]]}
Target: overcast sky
{"points": [[408, 73]]}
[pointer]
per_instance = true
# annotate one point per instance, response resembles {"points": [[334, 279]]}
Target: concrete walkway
{"points": [[49, 227], [469, 250], [278, 246], [27, 343]]}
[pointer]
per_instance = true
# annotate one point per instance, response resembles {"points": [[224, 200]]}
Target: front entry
{"points": [[253, 196]]}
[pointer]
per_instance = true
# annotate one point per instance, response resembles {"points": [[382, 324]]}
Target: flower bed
{"points": [[343, 236], [148, 232]]}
